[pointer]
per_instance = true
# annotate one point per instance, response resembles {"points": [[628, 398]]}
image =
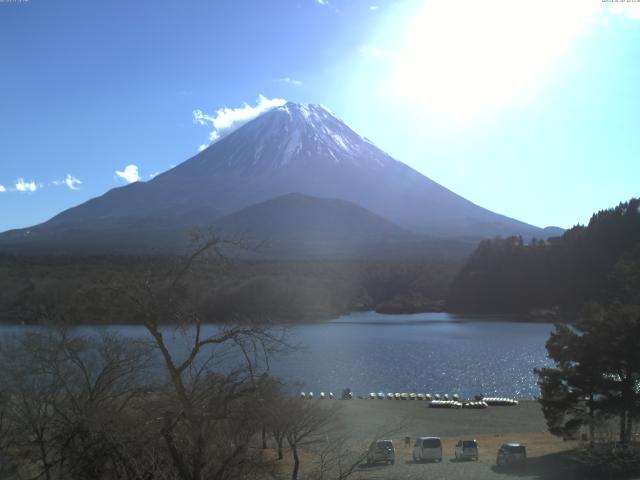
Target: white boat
{"points": [[499, 401], [445, 404], [475, 405]]}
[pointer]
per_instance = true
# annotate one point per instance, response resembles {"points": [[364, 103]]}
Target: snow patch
{"points": [[304, 110], [293, 145], [340, 141]]}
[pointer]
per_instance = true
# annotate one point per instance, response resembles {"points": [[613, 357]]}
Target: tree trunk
{"points": [[296, 462], [592, 420], [264, 438], [45, 462], [280, 440], [623, 426], [629, 426]]}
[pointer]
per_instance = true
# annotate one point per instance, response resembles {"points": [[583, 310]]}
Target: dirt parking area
{"points": [[366, 420]]}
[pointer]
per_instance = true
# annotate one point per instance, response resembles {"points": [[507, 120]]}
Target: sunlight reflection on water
{"points": [[428, 353]]}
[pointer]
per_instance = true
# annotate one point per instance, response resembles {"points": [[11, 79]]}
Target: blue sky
{"points": [[531, 109]]}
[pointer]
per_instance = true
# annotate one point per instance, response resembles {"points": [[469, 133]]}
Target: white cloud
{"points": [[22, 186], [226, 119], [375, 51], [130, 174], [153, 175], [2, 189], [326, 3], [291, 81], [70, 181], [373, 7]]}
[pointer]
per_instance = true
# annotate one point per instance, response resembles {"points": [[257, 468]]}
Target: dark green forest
{"points": [[504, 275], [509, 275], [84, 289]]}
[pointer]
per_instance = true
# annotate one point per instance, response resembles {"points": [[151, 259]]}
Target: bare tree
{"points": [[303, 424], [340, 457], [66, 402], [211, 413]]}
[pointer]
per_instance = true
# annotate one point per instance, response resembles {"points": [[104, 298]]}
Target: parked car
{"points": [[427, 448], [466, 450], [381, 451], [511, 454]]}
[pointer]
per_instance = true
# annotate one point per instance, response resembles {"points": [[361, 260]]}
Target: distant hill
{"points": [[298, 226], [293, 148], [299, 217], [511, 275]]}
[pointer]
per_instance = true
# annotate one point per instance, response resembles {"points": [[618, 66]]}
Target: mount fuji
{"points": [[294, 148]]}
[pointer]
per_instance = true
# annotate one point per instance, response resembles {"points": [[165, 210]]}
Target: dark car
{"points": [[511, 454]]}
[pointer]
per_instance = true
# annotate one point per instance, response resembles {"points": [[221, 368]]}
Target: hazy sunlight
{"points": [[462, 59]]}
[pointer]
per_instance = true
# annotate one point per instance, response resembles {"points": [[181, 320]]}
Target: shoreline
{"points": [[458, 316]]}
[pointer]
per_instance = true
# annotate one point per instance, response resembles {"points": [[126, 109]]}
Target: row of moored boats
{"points": [[435, 401]]}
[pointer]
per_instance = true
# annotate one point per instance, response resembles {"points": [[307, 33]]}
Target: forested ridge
{"points": [[511, 276], [79, 289], [503, 275]]}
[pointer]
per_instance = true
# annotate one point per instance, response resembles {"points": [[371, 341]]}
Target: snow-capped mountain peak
{"points": [[293, 135], [296, 148]]}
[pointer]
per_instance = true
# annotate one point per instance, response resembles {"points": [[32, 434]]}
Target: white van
{"points": [[467, 449], [427, 448]]}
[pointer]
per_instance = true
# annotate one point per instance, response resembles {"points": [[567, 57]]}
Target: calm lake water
{"points": [[429, 353]]}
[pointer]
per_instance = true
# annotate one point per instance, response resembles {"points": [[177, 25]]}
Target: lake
{"points": [[428, 353]]}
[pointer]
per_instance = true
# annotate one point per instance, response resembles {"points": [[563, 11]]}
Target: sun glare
{"points": [[468, 58]]}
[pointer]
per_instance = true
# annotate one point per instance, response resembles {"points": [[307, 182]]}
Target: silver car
{"points": [[466, 449], [381, 451]]}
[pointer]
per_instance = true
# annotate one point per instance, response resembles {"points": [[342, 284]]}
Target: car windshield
{"points": [[516, 449], [469, 444], [431, 443]]}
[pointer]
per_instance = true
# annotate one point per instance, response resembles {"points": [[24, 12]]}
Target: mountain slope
{"points": [[293, 148], [302, 218]]}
